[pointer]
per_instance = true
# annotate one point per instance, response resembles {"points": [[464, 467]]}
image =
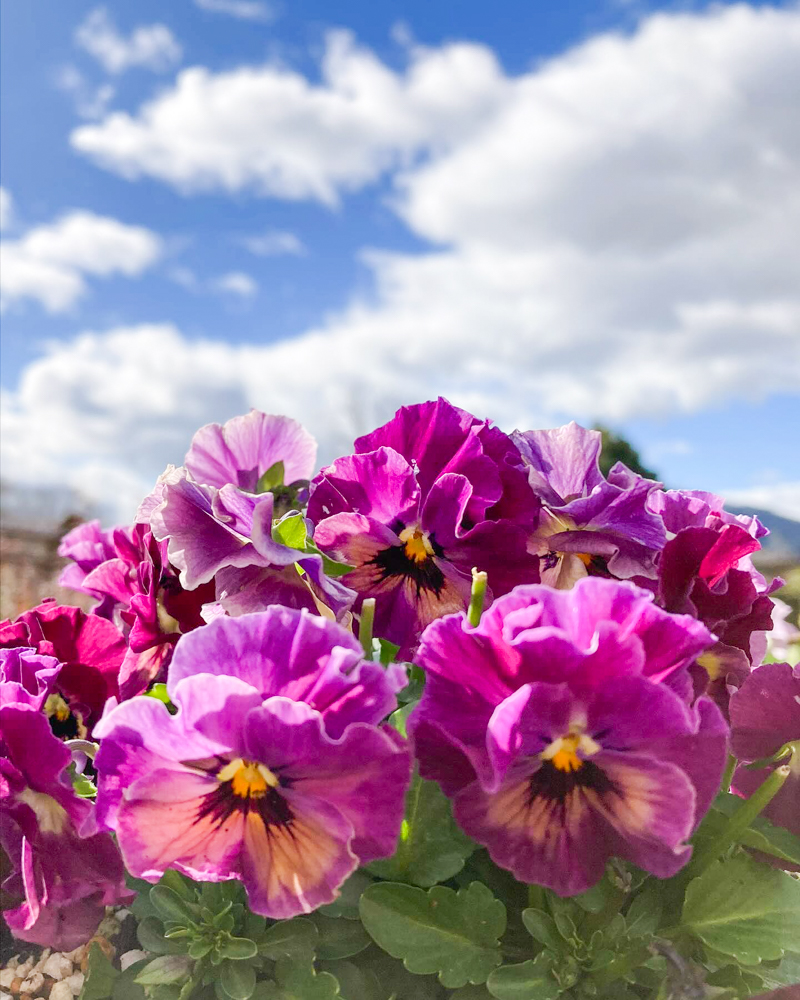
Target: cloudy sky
{"points": [[542, 211]]}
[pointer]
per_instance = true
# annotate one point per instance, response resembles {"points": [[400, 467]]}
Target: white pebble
{"points": [[39, 967], [130, 957], [122, 913], [61, 991], [5, 996], [12, 963], [109, 927], [7, 977], [76, 982], [33, 983], [24, 968], [58, 966], [76, 954]]}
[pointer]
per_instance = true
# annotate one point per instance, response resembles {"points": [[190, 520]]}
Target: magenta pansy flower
{"points": [[561, 727], [765, 715], [275, 770], [589, 525], [427, 497], [26, 676], [64, 880], [90, 651]]}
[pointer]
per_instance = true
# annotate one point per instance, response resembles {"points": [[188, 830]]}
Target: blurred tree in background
{"points": [[617, 449]]}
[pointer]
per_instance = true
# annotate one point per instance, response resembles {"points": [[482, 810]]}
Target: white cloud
{"points": [[50, 262], [237, 283], [151, 46], [269, 129], [90, 102], [244, 10], [617, 230], [780, 498], [183, 276], [6, 209], [274, 243]]}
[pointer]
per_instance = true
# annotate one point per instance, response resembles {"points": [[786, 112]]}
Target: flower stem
{"points": [[477, 597], [739, 821], [365, 626], [727, 774]]}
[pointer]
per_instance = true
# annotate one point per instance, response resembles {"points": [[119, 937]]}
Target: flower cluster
{"points": [[571, 651]]}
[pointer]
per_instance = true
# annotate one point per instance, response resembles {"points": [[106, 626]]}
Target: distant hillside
{"points": [[782, 544]]}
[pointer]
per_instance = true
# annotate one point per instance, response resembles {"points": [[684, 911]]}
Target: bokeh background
{"points": [[542, 211]]}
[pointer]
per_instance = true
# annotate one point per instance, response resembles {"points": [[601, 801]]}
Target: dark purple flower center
{"points": [[413, 560], [247, 786]]}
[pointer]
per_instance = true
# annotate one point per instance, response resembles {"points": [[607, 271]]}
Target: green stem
{"points": [[537, 898], [477, 597], [621, 966], [365, 626], [739, 821], [727, 774]]}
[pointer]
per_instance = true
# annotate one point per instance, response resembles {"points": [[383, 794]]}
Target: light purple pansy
{"points": [[589, 524], [226, 535], [26, 677], [427, 497], [64, 880], [275, 769], [765, 715], [562, 728], [243, 449]]}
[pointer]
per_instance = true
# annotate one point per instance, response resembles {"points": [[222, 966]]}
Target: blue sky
{"points": [[540, 210]]}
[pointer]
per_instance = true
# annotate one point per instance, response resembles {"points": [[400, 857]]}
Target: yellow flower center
{"points": [[248, 778], [563, 752], [417, 544], [712, 664], [56, 706]]}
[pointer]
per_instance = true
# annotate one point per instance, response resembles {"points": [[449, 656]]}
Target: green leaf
{"points": [[761, 834], [81, 785], [644, 913], [289, 938], [346, 903], [783, 973], [236, 948], [745, 909], [151, 937], [184, 886], [169, 905], [453, 934], [100, 976], [355, 982], [159, 692], [271, 478], [291, 531], [237, 980], [126, 987], [471, 993], [296, 980], [386, 651], [542, 928], [530, 980], [340, 938], [165, 970], [431, 847]]}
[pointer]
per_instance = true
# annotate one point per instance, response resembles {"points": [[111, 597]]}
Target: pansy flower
{"points": [[63, 880], [427, 497], [765, 715], [705, 570], [589, 525], [224, 538], [90, 652], [127, 570], [562, 728], [275, 769]]}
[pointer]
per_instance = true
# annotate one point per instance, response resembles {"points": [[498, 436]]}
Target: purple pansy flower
{"points": [[705, 570], [765, 715], [90, 652], [225, 536], [243, 449], [275, 769], [589, 524], [26, 677], [64, 880], [427, 497], [127, 570], [561, 726]]}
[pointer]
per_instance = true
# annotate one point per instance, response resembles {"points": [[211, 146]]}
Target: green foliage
{"points": [[615, 448], [272, 478], [744, 909], [454, 934], [100, 976], [296, 979], [431, 847], [532, 980]]}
